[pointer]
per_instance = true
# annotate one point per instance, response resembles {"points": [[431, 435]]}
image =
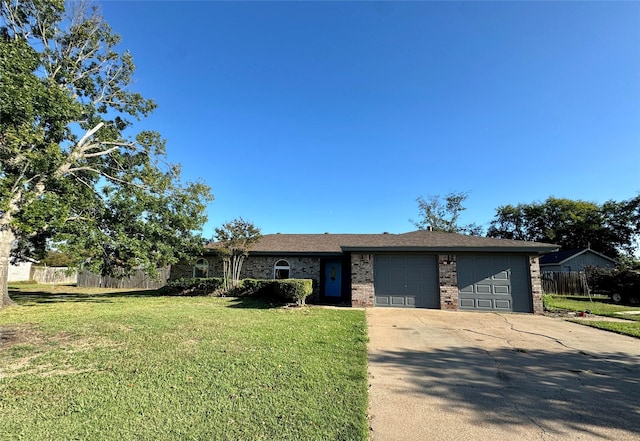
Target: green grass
{"points": [[631, 326], [626, 328], [133, 366], [596, 307]]}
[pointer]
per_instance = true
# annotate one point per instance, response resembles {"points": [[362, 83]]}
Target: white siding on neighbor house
{"points": [[20, 272]]}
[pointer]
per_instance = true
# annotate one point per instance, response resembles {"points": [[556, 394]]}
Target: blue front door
{"points": [[333, 278]]}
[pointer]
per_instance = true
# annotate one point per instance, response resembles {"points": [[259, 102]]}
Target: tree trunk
{"points": [[237, 266], [226, 271], [6, 240]]}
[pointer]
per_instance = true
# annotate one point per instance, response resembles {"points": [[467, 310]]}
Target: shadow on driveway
{"points": [[569, 390]]}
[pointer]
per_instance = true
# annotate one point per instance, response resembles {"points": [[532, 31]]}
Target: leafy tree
{"points": [[442, 214], [236, 238], [611, 228], [56, 258], [73, 171]]}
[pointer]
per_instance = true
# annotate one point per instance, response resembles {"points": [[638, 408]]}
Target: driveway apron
{"points": [[438, 375]]}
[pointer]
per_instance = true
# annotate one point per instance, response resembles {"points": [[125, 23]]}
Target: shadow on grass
{"points": [[569, 389], [31, 297], [250, 302]]}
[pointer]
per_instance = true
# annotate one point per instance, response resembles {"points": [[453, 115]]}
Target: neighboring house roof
{"points": [[421, 240], [560, 257]]}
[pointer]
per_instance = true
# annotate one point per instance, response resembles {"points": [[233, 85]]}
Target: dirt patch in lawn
{"points": [[572, 315], [11, 335], [23, 349]]}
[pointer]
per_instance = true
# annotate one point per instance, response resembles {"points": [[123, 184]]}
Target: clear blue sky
{"points": [[333, 117]]}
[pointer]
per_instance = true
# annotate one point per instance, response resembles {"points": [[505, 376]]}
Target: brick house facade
{"points": [[419, 269]]}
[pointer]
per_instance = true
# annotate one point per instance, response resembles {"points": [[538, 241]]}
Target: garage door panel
{"points": [[467, 289], [502, 275], [499, 283], [406, 281], [467, 303]]}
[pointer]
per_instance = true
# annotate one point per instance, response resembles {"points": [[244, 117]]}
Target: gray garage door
{"points": [[406, 281], [494, 283]]}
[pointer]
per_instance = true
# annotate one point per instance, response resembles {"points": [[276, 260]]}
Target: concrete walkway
{"points": [[437, 375]]}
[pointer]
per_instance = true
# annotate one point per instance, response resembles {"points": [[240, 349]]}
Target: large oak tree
{"points": [[611, 228], [73, 171]]}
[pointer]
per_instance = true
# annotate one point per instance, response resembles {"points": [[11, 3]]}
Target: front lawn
{"points": [[631, 325], [135, 366], [597, 307]]}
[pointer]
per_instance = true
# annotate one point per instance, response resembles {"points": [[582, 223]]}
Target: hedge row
{"points": [[194, 285], [289, 290]]}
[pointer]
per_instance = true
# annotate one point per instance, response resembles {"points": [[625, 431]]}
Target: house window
{"points": [[201, 270], [281, 270]]}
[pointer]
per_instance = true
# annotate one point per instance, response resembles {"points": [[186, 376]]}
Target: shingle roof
{"points": [[558, 256], [420, 240], [561, 256]]}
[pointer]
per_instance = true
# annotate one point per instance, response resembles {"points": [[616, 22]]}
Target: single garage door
{"points": [[406, 281], [494, 283]]}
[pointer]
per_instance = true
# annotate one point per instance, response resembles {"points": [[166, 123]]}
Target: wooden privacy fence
{"points": [[571, 283], [53, 275], [138, 280]]}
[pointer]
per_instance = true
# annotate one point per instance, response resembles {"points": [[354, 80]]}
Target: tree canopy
{"points": [[611, 228], [443, 213], [236, 238], [74, 172]]}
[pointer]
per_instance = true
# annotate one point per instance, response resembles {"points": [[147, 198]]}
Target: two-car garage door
{"points": [[485, 282]]}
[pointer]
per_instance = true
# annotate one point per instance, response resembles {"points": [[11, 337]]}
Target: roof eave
{"points": [[295, 253], [454, 249]]}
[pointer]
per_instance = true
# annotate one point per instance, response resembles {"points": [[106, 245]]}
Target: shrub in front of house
{"points": [[287, 290], [296, 290], [256, 287], [194, 285]]}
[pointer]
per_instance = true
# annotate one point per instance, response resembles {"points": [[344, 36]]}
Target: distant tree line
{"points": [[611, 228]]}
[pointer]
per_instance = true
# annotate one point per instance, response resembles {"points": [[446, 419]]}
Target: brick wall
{"points": [[536, 284], [261, 267], [362, 292], [182, 269], [256, 267], [448, 281]]}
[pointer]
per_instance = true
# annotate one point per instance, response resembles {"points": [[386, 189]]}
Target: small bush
{"points": [[287, 290], [194, 285], [257, 287], [294, 289]]}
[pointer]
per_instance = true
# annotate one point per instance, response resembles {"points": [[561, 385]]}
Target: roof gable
{"points": [[561, 257]]}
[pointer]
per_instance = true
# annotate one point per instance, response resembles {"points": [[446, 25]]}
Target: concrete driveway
{"points": [[437, 375]]}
